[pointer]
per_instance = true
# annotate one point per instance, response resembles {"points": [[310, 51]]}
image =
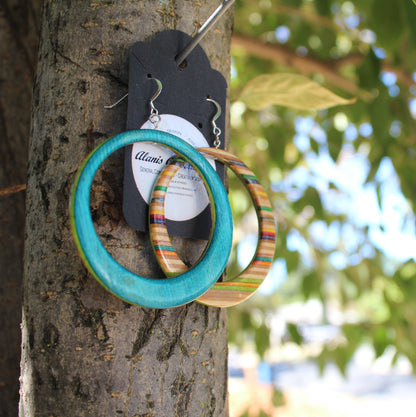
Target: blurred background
{"points": [[332, 331]]}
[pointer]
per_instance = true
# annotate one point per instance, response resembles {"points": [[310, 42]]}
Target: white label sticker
{"points": [[186, 197]]}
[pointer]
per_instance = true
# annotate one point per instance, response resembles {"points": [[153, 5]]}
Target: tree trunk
{"points": [[85, 352], [19, 21]]}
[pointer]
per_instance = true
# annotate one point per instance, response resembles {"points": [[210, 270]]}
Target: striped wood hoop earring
{"points": [[240, 288]]}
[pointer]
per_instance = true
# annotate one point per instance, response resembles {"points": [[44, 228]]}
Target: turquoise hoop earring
{"points": [[135, 289]]}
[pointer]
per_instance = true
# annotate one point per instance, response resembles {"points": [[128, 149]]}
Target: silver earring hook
{"points": [[152, 106], [154, 113], [117, 102], [215, 129]]}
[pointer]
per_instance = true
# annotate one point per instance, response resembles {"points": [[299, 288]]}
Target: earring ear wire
{"points": [[154, 113], [111, 106], [215, 129]]}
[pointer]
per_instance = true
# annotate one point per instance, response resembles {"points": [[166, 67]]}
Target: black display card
{"points": [[184, 93]]}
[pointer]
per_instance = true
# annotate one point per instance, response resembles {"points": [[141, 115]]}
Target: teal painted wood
{"points": [[135, 289]]}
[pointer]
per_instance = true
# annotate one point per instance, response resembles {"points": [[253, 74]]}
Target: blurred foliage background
{"points": [[341, 180]]}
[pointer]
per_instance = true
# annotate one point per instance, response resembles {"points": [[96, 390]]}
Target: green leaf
{"points": [[278, 398], [292, 260], [341, 356], [323, 7], [379, 198], [354, 334], [386, 20], [311, 284], [293, 3], [369, 70], [262, 339], [335, 142], [312, 198], [290, 90], [322, 359], [245, 320], [410, 12], [381, 340], [294, 333], [381, 119]]}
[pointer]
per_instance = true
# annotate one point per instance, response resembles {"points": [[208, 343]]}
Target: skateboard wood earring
{"points": [[241, 287]]}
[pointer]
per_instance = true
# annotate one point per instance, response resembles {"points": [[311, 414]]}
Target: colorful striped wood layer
{"points": [[235, 290]]}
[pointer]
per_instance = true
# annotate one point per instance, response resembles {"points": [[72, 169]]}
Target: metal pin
{"points": [[218, 13], [117, 102]]}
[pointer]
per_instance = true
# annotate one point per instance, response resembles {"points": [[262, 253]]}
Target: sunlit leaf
{"points": [[290, 90]]}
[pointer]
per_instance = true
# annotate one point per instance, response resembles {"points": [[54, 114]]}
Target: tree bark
{"points": [[19, 22], [85, 352]]}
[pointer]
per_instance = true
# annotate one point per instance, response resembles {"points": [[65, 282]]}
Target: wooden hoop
{"points": [[240, 288], [135, 289]]}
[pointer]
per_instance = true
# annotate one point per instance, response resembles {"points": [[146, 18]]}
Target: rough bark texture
{"points": [[85, 352], [18, 44]]}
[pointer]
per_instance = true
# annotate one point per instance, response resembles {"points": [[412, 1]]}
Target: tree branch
{"points": [[12, 190], [303, 64], [356, 59], [309, 65], [305, 15]]}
